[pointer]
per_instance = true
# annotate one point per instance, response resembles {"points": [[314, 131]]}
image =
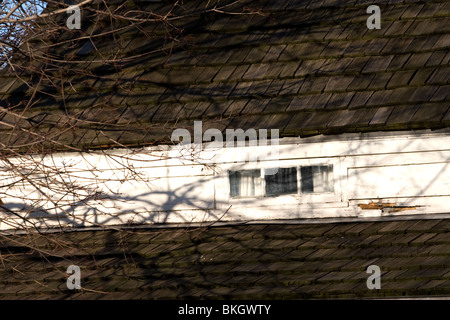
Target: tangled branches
{"points": [[63, 90]]}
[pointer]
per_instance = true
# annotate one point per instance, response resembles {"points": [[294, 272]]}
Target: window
{"points": [[316, 179], [245, 183], [282, 181]]}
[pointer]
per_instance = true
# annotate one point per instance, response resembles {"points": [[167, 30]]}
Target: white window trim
{"points": [[290, 199]]}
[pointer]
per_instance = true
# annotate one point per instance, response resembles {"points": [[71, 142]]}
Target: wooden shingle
{"points": [[296, 57], [224, 261]]}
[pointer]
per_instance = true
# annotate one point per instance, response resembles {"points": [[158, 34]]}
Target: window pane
{"points": [[307, 179], [245, 183], [283, 182], [316, 179]]}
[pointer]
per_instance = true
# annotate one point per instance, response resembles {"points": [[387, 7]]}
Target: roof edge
{"points": [[194, 225]]}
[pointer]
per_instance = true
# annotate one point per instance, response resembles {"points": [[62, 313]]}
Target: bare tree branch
{"points": [[38, 16]]}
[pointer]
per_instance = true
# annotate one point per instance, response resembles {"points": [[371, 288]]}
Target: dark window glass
{"points": [[284, 181], [316, 179], [307, 180]]}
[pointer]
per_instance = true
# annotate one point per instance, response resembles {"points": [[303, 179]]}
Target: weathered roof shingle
{"points": [[306, 59], [254, 261]]}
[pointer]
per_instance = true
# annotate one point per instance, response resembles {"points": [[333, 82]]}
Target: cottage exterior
{"points": [[354, 170]]}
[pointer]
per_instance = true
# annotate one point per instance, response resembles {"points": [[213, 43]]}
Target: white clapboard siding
{"points": [[374, 175], [432, 179]]}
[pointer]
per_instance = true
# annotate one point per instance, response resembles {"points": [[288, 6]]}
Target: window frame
{"points": [[331, 180], [280, 194], [329, 196], [247, 197]]}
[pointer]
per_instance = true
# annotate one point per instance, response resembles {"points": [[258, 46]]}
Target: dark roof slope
{"points": [[254, 261], [303, 67]]}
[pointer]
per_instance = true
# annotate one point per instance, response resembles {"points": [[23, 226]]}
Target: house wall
{"points": [[374, 175]]}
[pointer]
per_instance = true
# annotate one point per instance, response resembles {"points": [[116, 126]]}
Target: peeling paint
{"points": [[385, 206]]}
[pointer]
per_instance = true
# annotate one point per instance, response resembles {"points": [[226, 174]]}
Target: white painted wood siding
{"points": [[389, 174]]}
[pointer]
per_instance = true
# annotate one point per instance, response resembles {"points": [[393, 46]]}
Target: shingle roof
{"points": [[303, 67], [248, 261]]}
